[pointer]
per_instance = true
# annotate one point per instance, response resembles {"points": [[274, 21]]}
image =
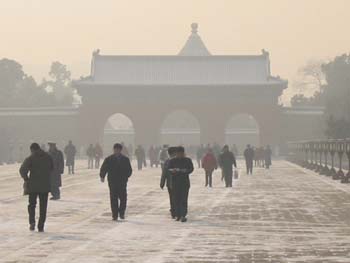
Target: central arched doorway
{"points": [[180, 127], [118, 128], [242, 129]]}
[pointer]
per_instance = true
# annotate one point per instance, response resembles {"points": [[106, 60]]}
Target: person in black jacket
{"points": [[180, 167], [118, 168], [39, 165], [226, 161], [249, 157], [167, 178]]}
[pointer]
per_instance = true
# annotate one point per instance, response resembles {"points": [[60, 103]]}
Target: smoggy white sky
{"points": [[37, 32]]}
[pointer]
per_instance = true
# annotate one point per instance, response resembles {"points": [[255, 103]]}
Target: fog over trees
{"points": [[319, 83], [17, 89], [330, 83]]}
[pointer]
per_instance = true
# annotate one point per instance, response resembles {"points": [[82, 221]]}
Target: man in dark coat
{"points": [[226, 161], [118, 168], [140, 157], [98, 155], [70, 152], [166, 178], [267, 156], [58, 169], [90, 152], [39, 165], [180, 167], [249, 157]]}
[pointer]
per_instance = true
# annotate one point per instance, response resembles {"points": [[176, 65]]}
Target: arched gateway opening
{"points": [[212, 87], [242, 129], [118, 128], [180, 128]]}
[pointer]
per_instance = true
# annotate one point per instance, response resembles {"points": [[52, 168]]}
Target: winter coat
{"points": [[39, 166], [209, 162], [58, 167], [118, 169]]}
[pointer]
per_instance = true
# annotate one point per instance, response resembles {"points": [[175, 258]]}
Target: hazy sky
{"points": [[37, 32]]}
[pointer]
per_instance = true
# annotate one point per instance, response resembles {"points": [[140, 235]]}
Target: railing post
{"points": [[332, 171], [325, 152], [338, 175], [347, 177], [312, 149]]}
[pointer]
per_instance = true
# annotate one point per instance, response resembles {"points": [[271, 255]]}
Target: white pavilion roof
{"points": [[193, 66]]}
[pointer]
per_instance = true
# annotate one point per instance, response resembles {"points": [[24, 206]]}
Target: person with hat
{"points": [[36, 172], [58, 170], [118, 168]]}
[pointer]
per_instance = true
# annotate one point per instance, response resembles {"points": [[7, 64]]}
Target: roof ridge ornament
{"points": [[194, 27], [194, 45]]}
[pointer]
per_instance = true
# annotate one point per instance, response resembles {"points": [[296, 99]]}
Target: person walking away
{"points": [[70, 152], [180, 167], [227, 160], [249, 157], [163, 155], [152, 154], [90, 152], [98, 155], [139, 157], [144, 162], [36, 171], [58, 169], [199, 155], [209, 164], [267, 156], [166, 179], [118, 169]]}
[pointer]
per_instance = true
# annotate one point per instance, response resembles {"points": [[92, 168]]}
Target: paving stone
{"points": [[285, 214]]}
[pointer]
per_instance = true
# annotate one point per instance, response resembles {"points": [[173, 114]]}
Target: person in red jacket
{"points": [[209, 164]]}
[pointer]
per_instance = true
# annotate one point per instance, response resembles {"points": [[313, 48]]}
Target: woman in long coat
{"points": [[58, 169]]}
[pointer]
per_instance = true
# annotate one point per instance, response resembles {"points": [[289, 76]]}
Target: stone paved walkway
{"points": [[285, 214]]}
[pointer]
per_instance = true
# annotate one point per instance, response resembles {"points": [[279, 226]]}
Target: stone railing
{"points": [[326, 157]]}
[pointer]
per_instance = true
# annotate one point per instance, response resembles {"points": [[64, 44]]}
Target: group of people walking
{"points": [[94, 154], [42, 171]]}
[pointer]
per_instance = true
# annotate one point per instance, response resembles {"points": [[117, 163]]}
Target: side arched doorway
{"points": [[242, 129], [118, 128]]}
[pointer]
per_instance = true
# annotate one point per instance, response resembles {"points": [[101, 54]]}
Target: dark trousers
{"points": [[228, 177], [90, 162], [43, 208], [199, 162], [139, 163], [171, 200], [208, 177], [180, 197], [55, 191], [97, 163], [249, 164], [118, 197], [71, 169]]}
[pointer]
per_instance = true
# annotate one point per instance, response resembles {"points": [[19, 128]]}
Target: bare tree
{"points": [[310, 78]]}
